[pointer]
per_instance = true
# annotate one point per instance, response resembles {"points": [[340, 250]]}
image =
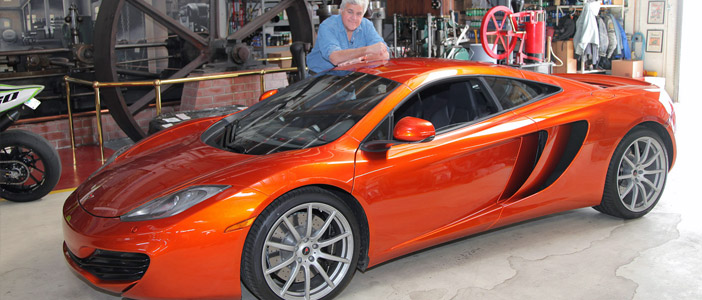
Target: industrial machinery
{"points": [[428, 36], [501, 30], [42, 41], [493, 34], [176, 51], [137, 40]]}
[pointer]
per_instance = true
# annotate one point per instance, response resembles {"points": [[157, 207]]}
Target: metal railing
{"points": [[157, 86]]}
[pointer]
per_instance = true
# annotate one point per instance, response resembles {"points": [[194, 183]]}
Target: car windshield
{"points": [[309, 113]]}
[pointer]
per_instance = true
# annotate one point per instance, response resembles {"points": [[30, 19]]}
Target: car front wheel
{"points": [[304, 245], [636, 176]]}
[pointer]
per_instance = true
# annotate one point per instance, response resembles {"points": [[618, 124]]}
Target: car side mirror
{"points": [[411, 129], [407, 130], [267, 94]]}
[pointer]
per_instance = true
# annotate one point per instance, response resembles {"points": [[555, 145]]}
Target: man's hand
{"points": [[376, 51]]}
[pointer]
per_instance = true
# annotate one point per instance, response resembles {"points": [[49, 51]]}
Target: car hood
{"points": [[126, 185]]}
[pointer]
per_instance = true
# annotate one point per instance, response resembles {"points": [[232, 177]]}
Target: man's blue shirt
{"points": [[332, 37]]}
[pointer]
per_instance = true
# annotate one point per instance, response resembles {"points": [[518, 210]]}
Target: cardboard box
{"points": [[617, 2], [563, 49], [282, 63], [570, 65], [628, 68]]}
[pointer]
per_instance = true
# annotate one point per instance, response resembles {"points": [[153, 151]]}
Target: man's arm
{"points": [[374, 39], [372, 52]]}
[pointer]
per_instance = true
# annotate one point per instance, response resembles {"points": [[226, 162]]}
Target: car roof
{"points": [[414, 72]]}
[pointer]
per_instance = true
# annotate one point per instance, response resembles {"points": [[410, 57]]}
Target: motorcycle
{"points": [[29, 166]]}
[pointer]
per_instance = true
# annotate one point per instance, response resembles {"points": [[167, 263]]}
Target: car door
{"points": [[418, 194]]}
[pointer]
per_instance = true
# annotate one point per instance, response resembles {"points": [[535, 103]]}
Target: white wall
{"points": [[665, 63], [690, 60]]}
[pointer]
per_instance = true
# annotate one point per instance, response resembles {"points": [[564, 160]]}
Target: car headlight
{"points": [[173, 204]]}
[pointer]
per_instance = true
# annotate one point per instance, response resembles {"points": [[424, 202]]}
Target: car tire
{"points": [[314, 263], [636, 175]]}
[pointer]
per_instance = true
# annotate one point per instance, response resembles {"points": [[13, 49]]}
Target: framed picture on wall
{"points": [[654, 40], [656, 12]]}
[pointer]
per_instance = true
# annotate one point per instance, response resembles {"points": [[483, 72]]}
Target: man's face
{"points": [[351, 15]]}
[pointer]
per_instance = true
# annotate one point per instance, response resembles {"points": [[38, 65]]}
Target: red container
{"points": [[535, 34]]}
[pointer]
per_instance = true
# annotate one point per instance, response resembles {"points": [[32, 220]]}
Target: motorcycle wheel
{"points": [[32, 164]]}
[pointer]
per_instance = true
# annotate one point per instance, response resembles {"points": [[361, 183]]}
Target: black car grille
{"points": [[113, 266]]}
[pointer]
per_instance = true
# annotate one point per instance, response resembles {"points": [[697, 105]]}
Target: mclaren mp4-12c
{"points": [[358, 165]]}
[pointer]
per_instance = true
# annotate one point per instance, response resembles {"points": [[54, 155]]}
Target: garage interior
{"points": [[579, 254]]}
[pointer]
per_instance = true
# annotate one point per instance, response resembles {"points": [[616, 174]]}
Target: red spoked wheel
{"points": [[497, 23]]}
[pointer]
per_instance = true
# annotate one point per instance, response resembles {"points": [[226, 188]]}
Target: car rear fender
{"points": [[649, 107]]}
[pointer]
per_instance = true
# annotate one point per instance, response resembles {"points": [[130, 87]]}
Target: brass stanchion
{"points": [[70, 118], [96, 87], [270, 59], [157, 86]]}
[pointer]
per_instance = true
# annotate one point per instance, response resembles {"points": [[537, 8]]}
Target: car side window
{"points": [[445, 105], [513, 92], [382, 132]]}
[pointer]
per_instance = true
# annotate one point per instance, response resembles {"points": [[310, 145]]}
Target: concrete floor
{"points": [[580, 254]]}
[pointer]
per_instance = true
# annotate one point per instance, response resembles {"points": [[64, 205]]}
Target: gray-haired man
{"points": [[345, 38]]}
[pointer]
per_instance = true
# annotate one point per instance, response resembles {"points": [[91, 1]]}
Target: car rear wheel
{"points": [[304, 245], [636, 175]]}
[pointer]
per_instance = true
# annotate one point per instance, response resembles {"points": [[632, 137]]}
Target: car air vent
{"points": [[578, 132], [546, 156], [113, 266]]}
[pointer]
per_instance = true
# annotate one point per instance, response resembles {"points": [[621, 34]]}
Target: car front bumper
{"points": [[194, 257]]}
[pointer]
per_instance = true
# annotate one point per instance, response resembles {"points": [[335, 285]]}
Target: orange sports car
{"points": [[358, 165]]}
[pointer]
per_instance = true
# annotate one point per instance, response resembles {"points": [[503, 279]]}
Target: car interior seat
{"points": [[448, 105]]}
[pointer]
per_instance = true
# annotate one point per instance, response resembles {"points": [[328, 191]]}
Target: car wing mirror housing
{"points": [[407, 130], [267, 94], [411, 129]]}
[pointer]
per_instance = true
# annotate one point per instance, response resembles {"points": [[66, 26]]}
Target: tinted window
{"points": [[309, 113], [511, 92], [382, 132], [446, 105]]}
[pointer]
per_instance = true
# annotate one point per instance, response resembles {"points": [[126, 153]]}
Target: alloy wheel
{"points": [[308, 252], [642, 173]]}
